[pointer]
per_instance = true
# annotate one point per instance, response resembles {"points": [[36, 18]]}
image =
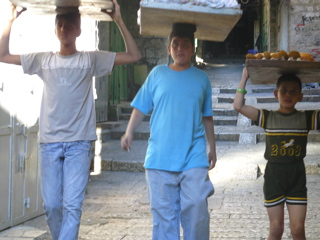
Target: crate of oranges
{"points": [[266, 67]]}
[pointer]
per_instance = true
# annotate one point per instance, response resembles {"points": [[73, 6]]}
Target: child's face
{"points": [[181, 51], [288, 94], [66, 31]]}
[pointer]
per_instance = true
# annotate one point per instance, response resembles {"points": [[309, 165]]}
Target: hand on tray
{"points": [[116, 13]]}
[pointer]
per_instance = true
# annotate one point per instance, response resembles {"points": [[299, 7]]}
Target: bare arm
{"points": [[135, 119], [239, 105], [5, 55], [132, 53], [209, 129]]}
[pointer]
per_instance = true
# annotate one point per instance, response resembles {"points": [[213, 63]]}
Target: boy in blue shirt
{"points": [[286, 141], [67, 118], [176, 161]]}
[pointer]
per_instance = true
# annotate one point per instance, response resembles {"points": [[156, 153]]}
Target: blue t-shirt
{"points": [[179, 100]]}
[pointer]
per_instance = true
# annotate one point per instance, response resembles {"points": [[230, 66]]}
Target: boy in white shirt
{"points": [[67, 116]]}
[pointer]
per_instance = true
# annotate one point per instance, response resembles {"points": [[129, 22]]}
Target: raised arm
{"points": [[135, 119], [5, 55], [132, 53], [239, 104], [208, 126]]}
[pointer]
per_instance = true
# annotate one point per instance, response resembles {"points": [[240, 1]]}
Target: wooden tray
{"points": [[268, 71], [88, 8], [213, 24]]}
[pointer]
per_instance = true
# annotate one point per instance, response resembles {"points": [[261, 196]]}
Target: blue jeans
{"points": [[179, 197], [65, 168]]}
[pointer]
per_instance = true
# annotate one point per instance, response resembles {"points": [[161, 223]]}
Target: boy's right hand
{"points": [[126, 142], [116, 13], [11, 14], [245, 74]]}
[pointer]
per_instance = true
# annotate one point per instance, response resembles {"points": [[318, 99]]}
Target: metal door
{"points": [[5, 156], [20, 197], [26, 196]]}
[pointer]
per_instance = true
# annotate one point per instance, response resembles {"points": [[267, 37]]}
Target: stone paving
{"points": [[116, 206]]}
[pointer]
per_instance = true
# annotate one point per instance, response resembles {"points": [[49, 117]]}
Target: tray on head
{"points": [[88, 8], [268, 71], [213, 24]]}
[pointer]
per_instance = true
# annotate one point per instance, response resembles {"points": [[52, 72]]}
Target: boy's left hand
{"points": [[115, 14]]}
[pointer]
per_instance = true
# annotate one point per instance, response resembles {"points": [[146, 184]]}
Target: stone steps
{"points": [[222, 133], [250, 165], [126, 117], [257, 98], [232, 131], [229, 125], [225, 120], [306, 98], [224, 112]]}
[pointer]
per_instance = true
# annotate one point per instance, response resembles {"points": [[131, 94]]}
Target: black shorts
{"points": [[285, 182]]}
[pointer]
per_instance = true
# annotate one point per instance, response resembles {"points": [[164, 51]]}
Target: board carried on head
{"points": [[88, 8], [268, 71], [213, 24]]}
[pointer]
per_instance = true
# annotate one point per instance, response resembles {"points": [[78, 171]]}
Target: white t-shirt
{"points": [[67, 108]]}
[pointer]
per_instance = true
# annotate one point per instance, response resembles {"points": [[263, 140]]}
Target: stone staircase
{"points": [[244, 131], [229, 126]]}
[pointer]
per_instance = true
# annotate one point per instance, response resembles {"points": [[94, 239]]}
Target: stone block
{"points": [[261, 137], [243, 121], [227, 137], [140, 74], [127, 166], [113, 114], [215, 90], [248, 138]]}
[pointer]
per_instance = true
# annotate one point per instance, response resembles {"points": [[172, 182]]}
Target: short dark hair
{"points": [[183, 30], [71, 14], [289, 77]]}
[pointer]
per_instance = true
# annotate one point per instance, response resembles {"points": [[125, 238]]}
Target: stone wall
{"points": [[273, 25], [153, 49], [265, 25], [304, 24], [268, 25]]}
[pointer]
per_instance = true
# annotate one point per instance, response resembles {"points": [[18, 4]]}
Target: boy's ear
{"points": [[275, 94], [301, 96], [169, 50]]}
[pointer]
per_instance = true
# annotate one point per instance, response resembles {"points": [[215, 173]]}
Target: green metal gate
{"points": [[113, 88], [119, 80]]}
